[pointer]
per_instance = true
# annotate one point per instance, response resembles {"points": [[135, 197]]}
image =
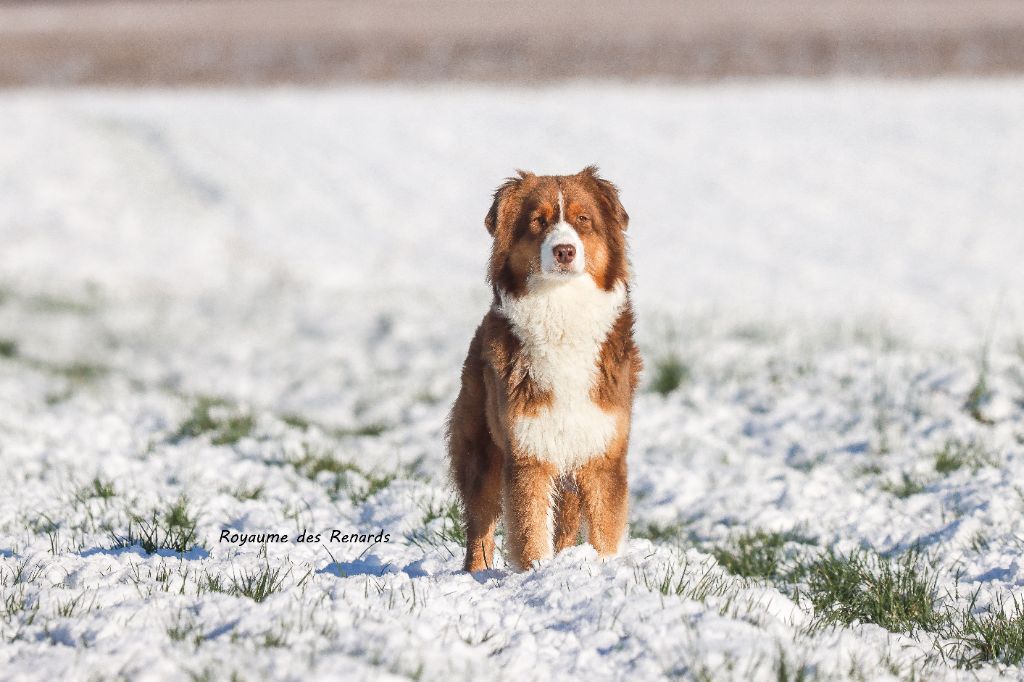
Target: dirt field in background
{"points": [[161, 42]]}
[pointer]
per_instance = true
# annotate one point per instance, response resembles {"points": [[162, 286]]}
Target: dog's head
{"points": [[551, 228]]}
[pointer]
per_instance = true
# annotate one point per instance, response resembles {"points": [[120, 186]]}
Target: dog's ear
{"points": [[494, 216], [608, 194]]}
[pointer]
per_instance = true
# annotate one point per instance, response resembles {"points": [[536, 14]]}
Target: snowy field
{"points": [[247, 311]]}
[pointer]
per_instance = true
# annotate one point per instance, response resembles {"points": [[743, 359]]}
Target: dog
{"points": [[540, 427]]}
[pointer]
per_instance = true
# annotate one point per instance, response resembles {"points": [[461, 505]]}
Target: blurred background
{"points": [[204, 42], [821, 159]]}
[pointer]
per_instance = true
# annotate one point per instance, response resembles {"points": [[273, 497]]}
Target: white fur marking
{"points": [[563, 233], [562, 324]]}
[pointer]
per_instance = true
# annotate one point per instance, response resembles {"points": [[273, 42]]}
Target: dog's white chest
{"points": [[562, 326]]}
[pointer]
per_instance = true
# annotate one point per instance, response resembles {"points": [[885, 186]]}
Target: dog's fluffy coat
{"points": [[541, 424]]}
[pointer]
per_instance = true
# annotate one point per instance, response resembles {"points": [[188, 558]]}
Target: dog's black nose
{"points": [[564, 253]]}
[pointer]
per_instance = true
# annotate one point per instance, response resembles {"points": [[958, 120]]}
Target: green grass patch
{"points": [[8, 348], [274, 640], [675, 580], [211, 583], [98, 488], [80, 372], [17, 604], [47, 303], [258, 584], [989, 637], [957, 454], [795, 671], [244, 493], [313, 464], [69, 608], [296, 421], [372, 429], [980, 392], [177, 516], [172, 529], [758, 554], [450, 529], [669, 373], [980, 542], [871, 469], [375, 482], [660, 532], [897, 594], [904, 488], [185, 630], [213, 416]]}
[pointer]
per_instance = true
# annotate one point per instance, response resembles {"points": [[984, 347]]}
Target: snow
{"points": [[829, 259]]}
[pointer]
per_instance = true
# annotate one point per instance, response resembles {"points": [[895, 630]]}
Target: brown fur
{"points": [[489, 470]]}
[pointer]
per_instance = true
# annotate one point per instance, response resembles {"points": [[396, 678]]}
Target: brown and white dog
{"points": [[541, 424]]}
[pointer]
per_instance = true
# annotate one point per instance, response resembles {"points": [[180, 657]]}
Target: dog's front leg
{"points": [[529, 511], [604, 490], [568, 514]]}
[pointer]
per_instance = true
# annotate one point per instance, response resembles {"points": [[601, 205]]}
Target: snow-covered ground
{"points": [[259, 301]]}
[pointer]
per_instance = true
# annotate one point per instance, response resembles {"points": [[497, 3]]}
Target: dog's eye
{"points": [[541, 221], [582, 219]]}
